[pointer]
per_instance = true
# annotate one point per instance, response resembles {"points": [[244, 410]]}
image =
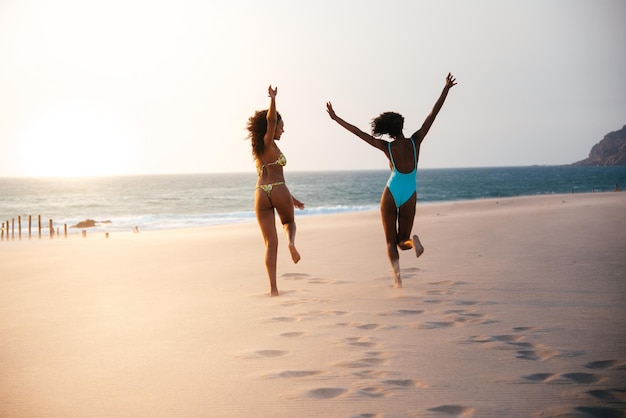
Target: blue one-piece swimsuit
{"points": [[402, 185]]}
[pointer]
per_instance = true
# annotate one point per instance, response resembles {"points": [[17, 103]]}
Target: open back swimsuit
{"points": [[402, 185], [267, 188]]}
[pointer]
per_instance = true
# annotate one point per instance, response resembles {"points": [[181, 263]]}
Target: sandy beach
{"points": [[517, 308]]}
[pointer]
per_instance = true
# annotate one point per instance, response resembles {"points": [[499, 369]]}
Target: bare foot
{"points": [[273, 292], [406, 245], [417, 246], [397, 281], [295, 255]]}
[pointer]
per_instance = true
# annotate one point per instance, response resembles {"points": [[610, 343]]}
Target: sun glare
{"points": [[74, 141]]}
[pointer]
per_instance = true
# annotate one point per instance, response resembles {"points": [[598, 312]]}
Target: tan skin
{"points": [[398, 221], [280, 199]]}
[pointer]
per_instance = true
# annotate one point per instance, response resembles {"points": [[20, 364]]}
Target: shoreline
{"points": [[74, 232]]}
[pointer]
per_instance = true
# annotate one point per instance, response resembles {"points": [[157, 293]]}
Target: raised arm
{"points": [[375, 142], [421, 133], [272, 117]]}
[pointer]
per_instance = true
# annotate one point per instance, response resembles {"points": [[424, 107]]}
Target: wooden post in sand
{"points": [[2, 232], [65, 230], [39, 225], [51, 228], [19, 228], [29, 226], [12, 228]]}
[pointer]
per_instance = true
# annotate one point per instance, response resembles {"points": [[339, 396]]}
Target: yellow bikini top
{"points": [[281, 161]]}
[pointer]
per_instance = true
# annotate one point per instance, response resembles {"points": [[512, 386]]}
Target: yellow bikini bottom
{"points": [[267, 188]]}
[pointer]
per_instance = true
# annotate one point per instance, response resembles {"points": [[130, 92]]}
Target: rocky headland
{"points": [[611, 150]]}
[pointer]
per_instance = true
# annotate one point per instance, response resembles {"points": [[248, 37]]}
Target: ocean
{"points": [[157, 202]]}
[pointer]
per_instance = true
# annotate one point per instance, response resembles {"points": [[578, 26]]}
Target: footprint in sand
{"points": [[433, 301], [545, 354], [583, 378], [318, 280], [374, 326], [271, 353], [480, 339], [367, 416], [540, 377], [326, 393], [367, 327], [312, 280], [507, 338], [609, 395], [466, 302], [371, 374], [295, 276], [607, 364], [374, 358], [540, 355], [364, 342], [405, 383], [361, 363], [291, 374], [320, 314], [600, 412], [440, 292], [468, 317], [288, 303], [448, 283], [283, 319], [373, 392], [305, 316], [401, 312], [261, 354], [437, 324], [410, 273], [523, 329], [516, 345], [294, 334], [456, 410], [499, 342], [456, 320]]}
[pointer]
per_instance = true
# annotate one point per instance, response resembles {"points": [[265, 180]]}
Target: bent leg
{"points": [[266, 218], [389, 214], [283, 202], [406, 217]]}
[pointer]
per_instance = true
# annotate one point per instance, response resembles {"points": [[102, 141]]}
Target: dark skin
{"points": [[398, 221], [280, 199]]}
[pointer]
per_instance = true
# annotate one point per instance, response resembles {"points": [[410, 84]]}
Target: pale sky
{"points": [[166, 86]]}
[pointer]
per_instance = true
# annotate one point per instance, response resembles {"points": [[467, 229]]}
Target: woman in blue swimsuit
{"points": [[397, 204], [266, 127]]}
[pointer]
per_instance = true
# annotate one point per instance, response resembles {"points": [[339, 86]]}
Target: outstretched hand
{"points": [[331, 112], [272, 92], [450, 81], [297, 204]]}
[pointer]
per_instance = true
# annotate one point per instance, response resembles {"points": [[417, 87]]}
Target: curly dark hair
{"points": [[257, 126], [390, 123]]}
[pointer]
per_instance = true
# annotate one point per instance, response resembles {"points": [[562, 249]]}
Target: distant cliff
{"points": [[609, 151]]}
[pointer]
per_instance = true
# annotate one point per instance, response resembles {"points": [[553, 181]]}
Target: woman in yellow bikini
{"points": [[265, 127], [397, 204]]}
